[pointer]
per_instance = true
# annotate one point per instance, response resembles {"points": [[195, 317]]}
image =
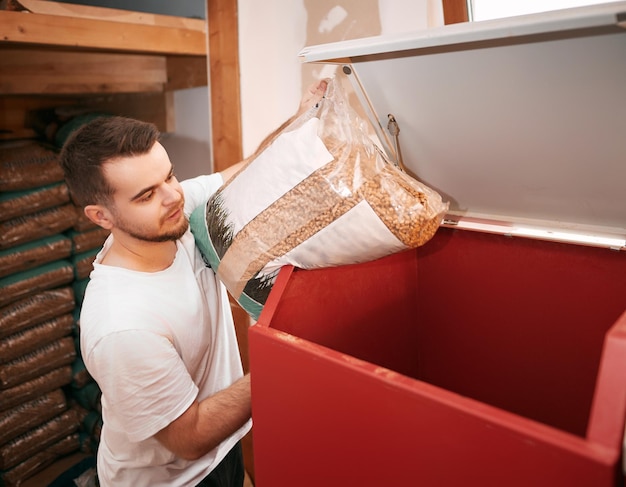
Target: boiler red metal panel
{"points": [[494, 354], [385, 373]]}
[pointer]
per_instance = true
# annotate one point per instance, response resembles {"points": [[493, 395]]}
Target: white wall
{"points": [[272, 32], [189, 148]]}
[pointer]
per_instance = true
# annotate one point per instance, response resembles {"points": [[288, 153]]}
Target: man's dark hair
{"points": [[102, 140]]}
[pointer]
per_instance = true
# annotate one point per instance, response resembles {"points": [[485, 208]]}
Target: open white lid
{"points": [[519, 123]]}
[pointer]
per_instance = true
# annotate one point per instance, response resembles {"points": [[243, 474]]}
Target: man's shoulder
{"points": [[198, 190]]}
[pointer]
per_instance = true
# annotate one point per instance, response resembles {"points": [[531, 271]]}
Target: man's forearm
{"points": [[207, 423]]}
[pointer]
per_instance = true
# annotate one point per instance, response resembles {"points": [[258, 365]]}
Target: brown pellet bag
{"points": [[37, 225], [33, 254], [321, 194], [31, 414], [87, 240], [30, 339], [26, 164], [37, 439], [31, 389], [20, 203], [37, 363], [35, 309], [16, 476], [26, 283]]}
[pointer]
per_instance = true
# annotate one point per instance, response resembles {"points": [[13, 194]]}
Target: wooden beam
{"points": [[112, 14], [53, 30], [186, 72], [224, 82], [455, 11], [40, 71], [226, 136]]}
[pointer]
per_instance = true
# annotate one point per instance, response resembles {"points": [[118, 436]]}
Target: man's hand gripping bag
{"points": [[321, 194]]}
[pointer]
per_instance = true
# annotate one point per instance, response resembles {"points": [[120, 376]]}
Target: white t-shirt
{"points": [[154, 343]]}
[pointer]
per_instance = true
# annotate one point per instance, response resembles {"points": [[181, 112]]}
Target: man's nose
{"points": [[172, 194]]}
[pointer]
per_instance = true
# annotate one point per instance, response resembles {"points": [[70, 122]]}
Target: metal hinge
{"points": [[394, 130]]}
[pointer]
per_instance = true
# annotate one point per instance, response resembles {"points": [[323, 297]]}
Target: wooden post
{"points": [[455, 11], [226, 138], [223, 52]]}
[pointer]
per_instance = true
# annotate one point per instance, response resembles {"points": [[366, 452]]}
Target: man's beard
{"points": [[137, 233], [172, 235]]}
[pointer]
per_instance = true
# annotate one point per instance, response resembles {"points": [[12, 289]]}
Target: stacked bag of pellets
{"points": [[86, 240], [321, 194], [36, 311], [84, 394]]}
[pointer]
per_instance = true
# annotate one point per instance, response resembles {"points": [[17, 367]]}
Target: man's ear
{"points": [[99, 215]]}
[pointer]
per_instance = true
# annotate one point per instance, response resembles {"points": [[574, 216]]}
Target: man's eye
{"points": [[147, 196]]}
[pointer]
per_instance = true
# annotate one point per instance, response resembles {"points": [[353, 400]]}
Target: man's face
{"points": [[148, 199]]}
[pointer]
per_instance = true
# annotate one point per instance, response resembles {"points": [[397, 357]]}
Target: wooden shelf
{"points": [[55, 48], [101, 29], [104, 58]]}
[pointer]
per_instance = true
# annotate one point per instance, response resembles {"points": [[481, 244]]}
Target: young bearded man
{"points": [[156, 328]]}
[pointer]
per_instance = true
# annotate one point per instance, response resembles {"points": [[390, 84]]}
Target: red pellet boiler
{"points": [[495, 354]]}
